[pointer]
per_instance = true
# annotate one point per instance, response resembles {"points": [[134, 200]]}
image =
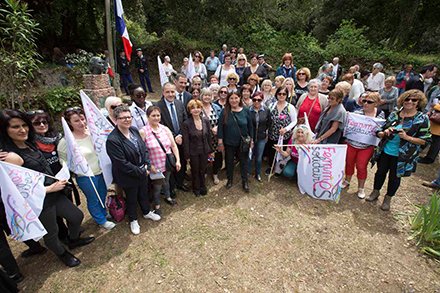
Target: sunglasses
{"points": [[252, 79], [223, 92], [282, 94], [33, 112], [72, 109], [412, 100], [197, 56], [257, 100], [367, 101], [301, 73], [240, 59], [114, 106], [141, 95], [232, 78], [38, 123]]}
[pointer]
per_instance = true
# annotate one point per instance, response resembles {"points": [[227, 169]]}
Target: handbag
{"points": [[435, 117], [116, 207], [170, 160], [245, 141]]}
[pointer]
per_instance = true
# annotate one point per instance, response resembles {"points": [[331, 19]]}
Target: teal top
{"points": [[392, 146], [229, 131]]}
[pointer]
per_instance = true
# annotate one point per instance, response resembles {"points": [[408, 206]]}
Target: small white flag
{"points": [[191, 68], [22, 219], [163, 76], [64, 173]]}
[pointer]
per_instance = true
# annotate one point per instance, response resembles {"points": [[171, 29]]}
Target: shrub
{"points": [[56, 100], [426, 227]]}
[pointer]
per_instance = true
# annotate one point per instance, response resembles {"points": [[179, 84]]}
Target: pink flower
{"points": [[283, 116]]}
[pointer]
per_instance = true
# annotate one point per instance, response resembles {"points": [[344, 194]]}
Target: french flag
{"points": [[122, 29]]}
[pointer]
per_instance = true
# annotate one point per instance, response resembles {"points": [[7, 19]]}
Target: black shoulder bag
{"points": [[245, 141], [170, 162]]}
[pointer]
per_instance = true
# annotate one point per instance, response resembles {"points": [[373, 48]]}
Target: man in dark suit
{"points": [[417, 82], [337, 70], [173, 114], [181, 94]]}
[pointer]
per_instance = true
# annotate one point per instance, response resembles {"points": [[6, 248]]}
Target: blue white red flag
{"points": [[122, 29]]}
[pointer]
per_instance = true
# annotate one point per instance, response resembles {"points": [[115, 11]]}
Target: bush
{"points": [[426, 227], [56, 100]]}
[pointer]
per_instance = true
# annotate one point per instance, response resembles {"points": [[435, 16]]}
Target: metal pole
{"points": [[108, 28]]}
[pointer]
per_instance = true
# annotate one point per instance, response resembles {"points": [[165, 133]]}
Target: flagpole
{"points": [[96, 191], [44, 174], [108, 28]]}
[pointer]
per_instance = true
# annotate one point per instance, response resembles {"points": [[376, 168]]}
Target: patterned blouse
{"points": [[157, 155], [213, 121], [281, 120]]}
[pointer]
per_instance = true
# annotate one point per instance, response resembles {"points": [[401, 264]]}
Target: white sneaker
{"points": [[152, 216], [361, 193], [108, 225], [135, 228], [216, 180]]}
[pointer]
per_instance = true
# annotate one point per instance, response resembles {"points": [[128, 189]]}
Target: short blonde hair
{"points": [[194, 104], [266, 82], [306, 71], [280, 78], [391, 79], [233, 74], [242, 56], [375, 96], [110, 101], [413, 93], [205, 91], [344, 86]]}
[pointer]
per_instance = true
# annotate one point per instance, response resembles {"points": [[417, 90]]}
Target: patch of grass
{"points": [[159, 258]]}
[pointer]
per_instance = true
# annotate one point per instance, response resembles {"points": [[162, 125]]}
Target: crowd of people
{"points": [[230, 112]]}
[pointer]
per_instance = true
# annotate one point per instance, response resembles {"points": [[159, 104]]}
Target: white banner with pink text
{"points": [[363, 128], [321, 170]]}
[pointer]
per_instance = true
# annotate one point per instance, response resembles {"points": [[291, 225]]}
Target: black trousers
{"points": [[230, 153], [218, 162], [387, 164], [177, 178], [63, 208], [7, 260], [198, 165], [434, 148], [137, 194]]}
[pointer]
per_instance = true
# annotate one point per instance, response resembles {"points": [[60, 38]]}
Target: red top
{"points": [[314, 113]]}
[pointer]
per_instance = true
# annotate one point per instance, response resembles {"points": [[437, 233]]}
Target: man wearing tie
{"points": [[173, 114], [181, 94]]}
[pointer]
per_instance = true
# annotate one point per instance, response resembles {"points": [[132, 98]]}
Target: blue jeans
{"points": [[289, 170], [95, 208], [257, 156]]}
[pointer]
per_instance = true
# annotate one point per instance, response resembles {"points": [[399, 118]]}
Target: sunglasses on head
{"points": [[33, 112], [367, 101], [72, 109], [257, 100], [114, 106], [414, 100], [38, 123]]}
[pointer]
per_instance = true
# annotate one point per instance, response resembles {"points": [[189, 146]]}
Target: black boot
{"points": [[245, 185], [229, 184], [80, 242], [69, 259]]}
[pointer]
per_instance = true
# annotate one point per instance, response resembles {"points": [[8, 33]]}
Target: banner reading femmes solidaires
{"points": [[362, 128], [321, 170]]}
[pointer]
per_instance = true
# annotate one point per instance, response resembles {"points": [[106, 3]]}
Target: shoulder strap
{"points": [[236, 122], [161, 145]]}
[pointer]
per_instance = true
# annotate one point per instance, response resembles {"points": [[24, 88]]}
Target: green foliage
{"points": [[56, 100], [79, 60], [139, 37], [19, 58], [426, 227]]}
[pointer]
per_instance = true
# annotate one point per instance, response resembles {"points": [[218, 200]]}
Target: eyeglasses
{"points": [[252, 79], [240, 59], [414, 100], [33, 112], [38, 123], [301, 73], [141, 95], [257, 100], [114, 106], [367, 101], [72, 109], [125, 118], [282, 94], [197, 56], [223, 92], [331, 98], [232, 78]]}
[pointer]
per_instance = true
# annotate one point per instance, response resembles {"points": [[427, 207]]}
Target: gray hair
{"points": [[119, 110], [205, 91], [110, 101], [315, 81], [378, 66], [214, 87]]}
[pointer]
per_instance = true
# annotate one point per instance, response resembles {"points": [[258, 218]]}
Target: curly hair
{"points": [[413, 93]]}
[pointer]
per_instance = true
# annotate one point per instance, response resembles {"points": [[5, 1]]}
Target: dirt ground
{"points": [[271, 240]]}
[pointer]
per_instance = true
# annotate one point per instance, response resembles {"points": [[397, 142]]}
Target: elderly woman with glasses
{"points": [[240, 67], [110, 104], [253, 81], [302, 81], [139, 106], [403, 135], [130, 166], [359, 154], [331, 121], [232, 82], [222, 95], [93, 187]]}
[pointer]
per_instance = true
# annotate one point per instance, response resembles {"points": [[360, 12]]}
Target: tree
{"points": [[19, 58]]}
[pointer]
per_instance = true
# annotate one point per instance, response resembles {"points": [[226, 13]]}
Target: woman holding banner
{"points": [[18, 135], [331, 122], [359, 154], [403, 135], [93, 187]]}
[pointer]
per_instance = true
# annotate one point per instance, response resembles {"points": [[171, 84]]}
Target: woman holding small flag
{"points": [[90, 181], [18, 135]]}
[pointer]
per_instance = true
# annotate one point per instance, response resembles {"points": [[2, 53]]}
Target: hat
{"points": [[260, 56], [139, 49]]}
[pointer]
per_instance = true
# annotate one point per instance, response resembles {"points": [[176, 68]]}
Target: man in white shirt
{"points": [[139, 108], [376, 80], [357, 88], [337, 70], [181, 94]]}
